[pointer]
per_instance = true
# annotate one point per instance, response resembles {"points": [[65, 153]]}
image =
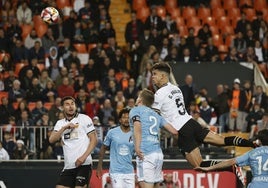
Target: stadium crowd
{"points": [[39, 69]]}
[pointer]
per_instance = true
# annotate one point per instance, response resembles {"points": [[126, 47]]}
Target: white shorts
{"points": [[123, 180], [150, 169]]}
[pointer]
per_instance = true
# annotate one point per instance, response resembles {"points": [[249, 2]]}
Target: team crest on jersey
{"points": [[89, 125], [130, 139]]}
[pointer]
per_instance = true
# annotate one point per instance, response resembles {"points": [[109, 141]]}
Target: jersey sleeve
{"points": [[162, 121], [157, 101], [243, 160], [107, 140], [134, 115], [57, 126], [89, 126]]}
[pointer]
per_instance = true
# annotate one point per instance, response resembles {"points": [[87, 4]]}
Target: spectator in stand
{"points": [[48, 40], [131, 91], [55, 110], [24, 14], [241, 24], [6, 110], [49, 93], [102, 18], [99, 131], [13, 30], [156, 38], [207, 113], [22, 106], [112, 89], [4, 41], [19, 53], [256, 24], [9, 144], [59, 77], [54, 70], [16, 93], [47, 150], [91, 71], [232, 56], [81, 99], [186, 56], [44, 78], [182, 46], [164, 50], [38, 111], [173, 56], [73, 58], [4, 156], [250, 56], [119, 60], [92, 107], [31, 38], [239, 43], [85, 14], [260, 52], [191, 37], [78, 37], [106, 79], [32, 66], [7, 63], [80, 83], [154, 21], [204, 34], [8, 12], [146, 39], [175, 39], [35, 91], [261, 124], [107, 32], [112, 46], [74, 72], [27, 135], [26, 81], [253, 116], [119, 98], [106, 111], [170, 24], [66, 49], [262, 30], [260, 97], [212, 50], [21, 151], [145, 80], [68, 25], [249, 37], [202, 56], [37, 52], [8, 81], [65, 89], [238, 101], [53, 55], [134, 29], [189, 90], [195, 48], [135, 53]]}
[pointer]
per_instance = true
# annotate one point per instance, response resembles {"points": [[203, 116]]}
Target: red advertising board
{"points": [[183, 179]]}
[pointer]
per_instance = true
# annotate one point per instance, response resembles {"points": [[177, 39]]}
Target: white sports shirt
{"points": [[75, 141], [169, 100]]}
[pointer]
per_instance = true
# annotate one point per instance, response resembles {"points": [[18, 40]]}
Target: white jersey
{"points": [[169, 100], [75, 141]]}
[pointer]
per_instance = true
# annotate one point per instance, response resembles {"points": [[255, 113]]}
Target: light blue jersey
{"points": [[121, 150], [257, 159], [151, 122]]}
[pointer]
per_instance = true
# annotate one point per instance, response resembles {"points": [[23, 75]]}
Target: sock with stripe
{"points": [[238, 141]]}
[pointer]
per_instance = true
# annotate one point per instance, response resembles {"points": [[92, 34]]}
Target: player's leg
{"points": [[66, 179], [83, 176], [218, 140], [194, 157]]}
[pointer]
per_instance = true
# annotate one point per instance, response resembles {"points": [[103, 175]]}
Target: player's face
{"points": [[124, 120], [157, 77], [69, 107]]}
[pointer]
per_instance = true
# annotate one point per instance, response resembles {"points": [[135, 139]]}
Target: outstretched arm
{"points": [[223, 164]]}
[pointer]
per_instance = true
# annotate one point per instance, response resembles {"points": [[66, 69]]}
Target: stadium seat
{"points": [[118, 76], [80, 47], [192, 22], [143, 13], [188, 12], [138, 4], [214, 29], [227, 4], [203, 13], [229, 39], [209, 20], [223, 22], [18, 67], [3, 94], [260, 5], [39, 25], [234, 21], [48, 105], [223, 50], [91, 46], [233, 12], [170, 5], [176, 12], [90, 85], [161, 11], [15, 105], [215, 4], [218, 12], [180, 21], [227, 30], [217, 40], [245, 3], [250, 13], [31, 105], [183, 30], [26, 29], [63, 3]]}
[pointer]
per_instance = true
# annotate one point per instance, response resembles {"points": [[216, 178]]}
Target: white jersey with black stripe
{"points": [[169, 100], [75, 141]]}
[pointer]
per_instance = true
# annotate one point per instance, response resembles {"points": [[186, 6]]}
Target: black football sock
{"points": [[238, 141], [214, 162]]}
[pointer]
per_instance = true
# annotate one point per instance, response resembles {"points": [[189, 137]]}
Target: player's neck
{"points": [[125, 129], [163, 84]]}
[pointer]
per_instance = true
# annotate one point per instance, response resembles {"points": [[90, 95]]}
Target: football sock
{"points": [[238, 141]]}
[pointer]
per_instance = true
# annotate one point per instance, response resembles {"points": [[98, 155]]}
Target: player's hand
{"points": [[140, 154], [203, 169], [79, 161], [99, 173], [71, 126]]}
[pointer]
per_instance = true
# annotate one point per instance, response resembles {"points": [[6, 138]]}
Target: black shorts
{"points": [[191, 135], [75, 177]]}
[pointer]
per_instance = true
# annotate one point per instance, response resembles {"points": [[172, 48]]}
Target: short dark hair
{"points": [[263, 137], [123, 111], [67, 98], [162, 67], [147, 97]]}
